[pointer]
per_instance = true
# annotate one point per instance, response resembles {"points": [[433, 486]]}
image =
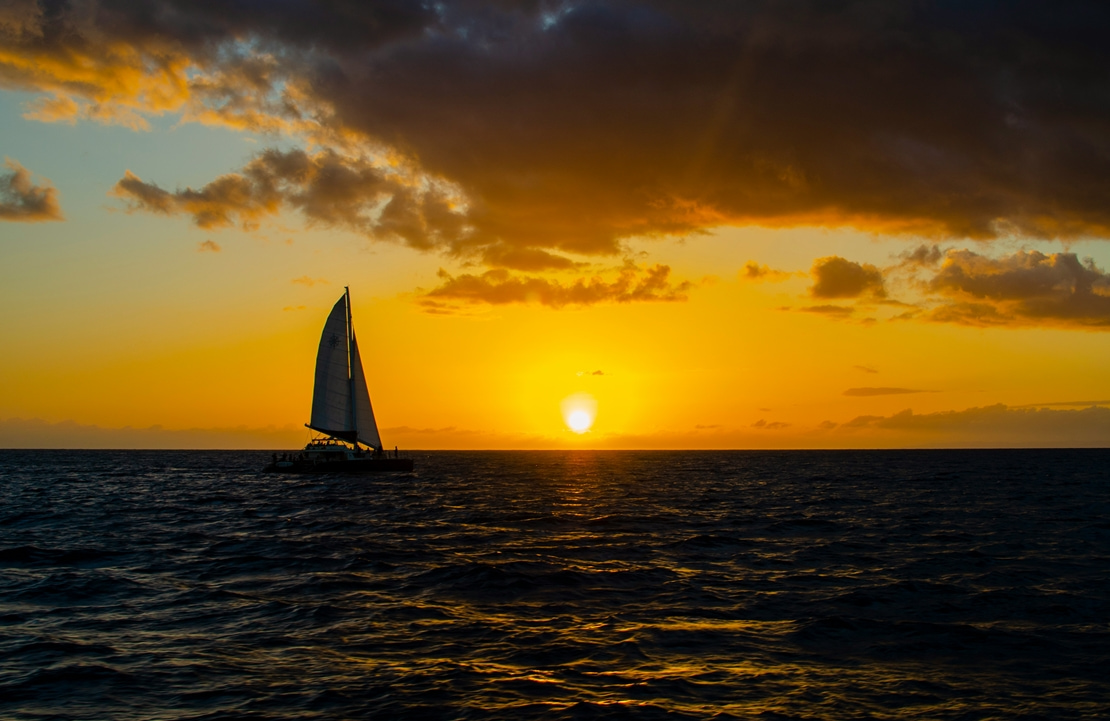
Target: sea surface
{"points": [[576, 585]]}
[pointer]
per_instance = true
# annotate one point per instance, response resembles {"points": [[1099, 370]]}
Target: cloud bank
{"points": [[569, 127]]}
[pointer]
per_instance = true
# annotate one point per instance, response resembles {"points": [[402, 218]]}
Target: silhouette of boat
{"points": [[349, 441]]}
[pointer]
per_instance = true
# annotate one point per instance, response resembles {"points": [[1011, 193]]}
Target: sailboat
{"points": [[349, 441]]}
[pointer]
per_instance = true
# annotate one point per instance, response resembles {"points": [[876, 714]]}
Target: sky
{"points": [[608, 224]]}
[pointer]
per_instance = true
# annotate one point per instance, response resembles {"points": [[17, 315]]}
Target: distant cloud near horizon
{"points": [[23, 201], [308, 281], [864, 392], [208, 246], [992, 426]]}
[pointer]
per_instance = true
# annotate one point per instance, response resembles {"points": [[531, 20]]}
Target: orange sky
{"points": [[668, 222]]}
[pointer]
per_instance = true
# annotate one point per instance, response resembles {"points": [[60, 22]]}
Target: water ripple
{"points": [[794, 585]]}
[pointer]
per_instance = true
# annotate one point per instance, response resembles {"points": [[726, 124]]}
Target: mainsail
{"points": [[340, 399]]}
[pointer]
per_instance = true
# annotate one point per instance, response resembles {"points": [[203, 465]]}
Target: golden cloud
{"points": [[1022, 289], [499, 287], [1025, 288]]}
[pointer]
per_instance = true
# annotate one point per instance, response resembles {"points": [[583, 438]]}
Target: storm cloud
{"points": [[569, 127]]}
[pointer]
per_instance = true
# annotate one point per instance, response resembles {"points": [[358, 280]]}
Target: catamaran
{"points": [[349, 441]]}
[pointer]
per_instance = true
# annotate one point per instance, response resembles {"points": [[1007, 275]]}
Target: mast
{"points": [[350, 369]]}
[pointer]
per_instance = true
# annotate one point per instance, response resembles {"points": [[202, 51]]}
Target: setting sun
{"points": [[579, 411]]}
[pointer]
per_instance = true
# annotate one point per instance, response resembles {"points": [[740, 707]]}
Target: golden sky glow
{"points": [[560, 231]]}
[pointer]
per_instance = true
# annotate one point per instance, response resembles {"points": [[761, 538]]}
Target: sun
{"points": [[579, 411]]}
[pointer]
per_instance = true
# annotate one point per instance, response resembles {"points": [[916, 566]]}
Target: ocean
{"points": [[557, 585]]}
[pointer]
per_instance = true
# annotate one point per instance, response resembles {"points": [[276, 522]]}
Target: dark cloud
{"points": [[498, 287], [1025, 288], [571, 127], [22, 200], [598, 373], [770, 426], [863, 392], [866, 369], [836, 277], [209, 246]]}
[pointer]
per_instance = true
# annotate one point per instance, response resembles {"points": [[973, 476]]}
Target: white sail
{"points": [[331, 395], [364, 413]]}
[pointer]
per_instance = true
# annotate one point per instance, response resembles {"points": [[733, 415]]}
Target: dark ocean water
{"points": [[800, 585]]}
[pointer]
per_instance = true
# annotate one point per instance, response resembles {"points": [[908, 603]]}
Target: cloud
{"points": [[770, 426], [22, 200], [329, 189], [841, 311], [836, 277], [616, 119], [756, 272], [1077, 404], [1022, 289], [208, 246], [501, 255], [990, 426], [864, 392], [865, 369], [309, 281], [923, 255], [1025, 288], [598, 373], [38, 433], [498, 287]]}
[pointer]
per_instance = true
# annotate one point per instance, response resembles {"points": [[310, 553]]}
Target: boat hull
{"points": [[357, 465]]}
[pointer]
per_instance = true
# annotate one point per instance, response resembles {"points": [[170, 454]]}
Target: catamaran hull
{"points": [[378, 465]]}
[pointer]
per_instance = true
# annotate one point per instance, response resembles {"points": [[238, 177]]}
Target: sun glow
{"points": [[579, 411]]}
